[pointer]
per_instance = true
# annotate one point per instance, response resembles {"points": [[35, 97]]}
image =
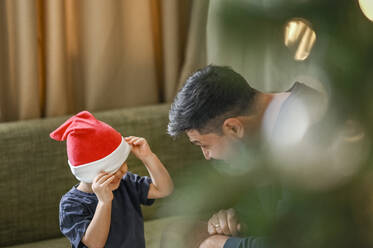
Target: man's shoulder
{"points": [[305, 90], [308, 99]]}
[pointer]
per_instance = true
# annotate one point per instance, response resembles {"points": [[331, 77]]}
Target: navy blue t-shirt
{"points": [[126, 228]]}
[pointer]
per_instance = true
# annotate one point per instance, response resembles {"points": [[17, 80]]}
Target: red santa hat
{"points": [[92, 146]]}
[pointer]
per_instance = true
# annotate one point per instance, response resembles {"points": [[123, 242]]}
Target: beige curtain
{"points": [[196, 49], [62, 56]]}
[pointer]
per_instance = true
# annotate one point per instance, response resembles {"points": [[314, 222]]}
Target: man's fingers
{"points": [[211, 228], [212, 224], [214, 219], [232, 221], [218, 222], [222, 215]]}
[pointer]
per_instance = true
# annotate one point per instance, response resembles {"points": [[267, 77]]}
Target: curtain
{"points": [[196, 57], [62, 56]]}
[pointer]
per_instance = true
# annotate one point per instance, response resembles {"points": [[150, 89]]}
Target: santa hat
{"points": [[92, 146]]}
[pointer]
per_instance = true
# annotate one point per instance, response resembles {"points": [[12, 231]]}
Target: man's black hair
{"points": [[208, 97]]}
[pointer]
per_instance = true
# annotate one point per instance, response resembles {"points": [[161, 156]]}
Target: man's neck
{"points": [[272, 111], [262, 101], [253, 121]]}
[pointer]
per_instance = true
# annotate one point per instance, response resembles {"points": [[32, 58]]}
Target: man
{"points": [[221, 113]]}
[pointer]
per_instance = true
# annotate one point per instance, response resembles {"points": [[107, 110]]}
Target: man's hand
{"points": [[101, 187], [140, 147], [214, 241], [224, 222]]}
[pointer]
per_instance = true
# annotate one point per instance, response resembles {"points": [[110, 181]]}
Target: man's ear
{"points": [[233, 127]]}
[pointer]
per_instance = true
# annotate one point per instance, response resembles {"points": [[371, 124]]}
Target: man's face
{"points": [[214, 146]]}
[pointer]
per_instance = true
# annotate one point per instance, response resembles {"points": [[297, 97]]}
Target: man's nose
{"points": [[206, 154]]}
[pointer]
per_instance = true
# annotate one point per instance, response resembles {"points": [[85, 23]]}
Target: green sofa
{"points": [[34, 174]]}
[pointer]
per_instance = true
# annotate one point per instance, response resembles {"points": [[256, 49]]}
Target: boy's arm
{"points": [[98, 230], [162, 184]]}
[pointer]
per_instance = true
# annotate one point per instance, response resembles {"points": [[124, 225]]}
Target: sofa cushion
{"points": [[61, 242], [153, 235]]}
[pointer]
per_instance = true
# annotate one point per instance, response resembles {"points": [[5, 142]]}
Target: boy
{"points": [[103, 210]]}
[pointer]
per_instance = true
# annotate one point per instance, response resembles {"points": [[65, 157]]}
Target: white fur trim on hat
{"points": [[111, 163]]}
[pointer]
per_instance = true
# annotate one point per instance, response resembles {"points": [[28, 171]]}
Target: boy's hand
{"points": [[101, 187], [140, 147]]}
